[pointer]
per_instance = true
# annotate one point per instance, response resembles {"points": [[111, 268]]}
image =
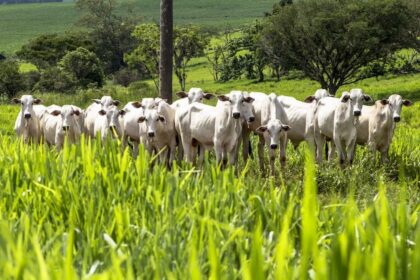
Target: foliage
{"points": [[110, 31], [30, 79], [310, 34], [84, 66], [189, 42], [125, 76], [55, 79], [146, 54], [47, 50], [11, 81]]}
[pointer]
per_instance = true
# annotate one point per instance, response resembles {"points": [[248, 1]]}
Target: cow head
{"points": [[194, 95], [27, 102], [319, 94], [106, 101], [112, 115], [357, 98], [68, 116], [395, 103], [151, 119], [240, 103], [273, 129]]}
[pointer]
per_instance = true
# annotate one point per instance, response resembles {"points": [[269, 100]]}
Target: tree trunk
{"points": [[166, 50]]}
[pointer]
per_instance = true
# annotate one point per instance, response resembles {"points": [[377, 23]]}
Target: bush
{"points": [[30, 79], [85, 68], [11, 81], [48, 49], [55, 79], [126, 76]]}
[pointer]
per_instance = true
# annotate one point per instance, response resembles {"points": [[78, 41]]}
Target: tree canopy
{"points": [[331, 40]]}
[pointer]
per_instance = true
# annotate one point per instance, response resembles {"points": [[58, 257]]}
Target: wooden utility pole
{"points": [[166, 49]]}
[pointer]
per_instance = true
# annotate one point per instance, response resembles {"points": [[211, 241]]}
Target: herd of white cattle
{"points": [[187, 128]]}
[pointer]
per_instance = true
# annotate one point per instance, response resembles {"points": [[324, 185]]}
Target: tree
{"points": [[189, 42], [166, 50], [47, 50], [110, 31], [146, 54], [330, 41], [84, 66], [11, 81]]}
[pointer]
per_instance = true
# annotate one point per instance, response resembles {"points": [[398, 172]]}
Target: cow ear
{"points": [[102, 112], [97, 101], [407, 102], [223, 98], [309, 99], [262, 128], [116, 102], [76, 112], [141, 119], [37, 101], [55, 113], [181, 94], [249, 99], [16, 100], [121, 113], [345, 97], [136, 104], [208, 95], [285, 127], [162, 118], [367, 98], [384, 101]]}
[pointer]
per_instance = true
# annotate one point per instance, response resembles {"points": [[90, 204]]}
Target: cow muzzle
{"points": [[357, 113], [236, 115], [251, 119], [27, 116], [151, 134], [66, 128], [273, 146], [397, 118]]}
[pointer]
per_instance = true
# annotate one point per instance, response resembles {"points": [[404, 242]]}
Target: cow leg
{"points": [[218, 150], [272, 157], [320, 142], [135, 149], [283, 146], [351, 150], [339, 146], [245, 145], [331, 153], [261, 144]]}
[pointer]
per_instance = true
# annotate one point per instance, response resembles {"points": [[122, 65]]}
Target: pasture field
{"points": [[20, 23], [94, 212]]}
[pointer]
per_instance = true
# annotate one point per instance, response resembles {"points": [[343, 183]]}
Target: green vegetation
{"points": [[20, 23], [91, 210]]}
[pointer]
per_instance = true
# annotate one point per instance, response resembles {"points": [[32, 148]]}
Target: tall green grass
{"points": [[91, 211]]}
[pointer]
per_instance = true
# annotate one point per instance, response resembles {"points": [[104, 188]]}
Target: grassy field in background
{"points": [[20, 23]]}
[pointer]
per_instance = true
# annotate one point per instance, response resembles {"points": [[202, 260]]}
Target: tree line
{"points": [[334, 42]]}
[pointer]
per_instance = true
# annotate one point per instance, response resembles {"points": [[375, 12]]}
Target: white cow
{"points": [[377, 124], [337, 119], [58, 122], [27, 124], [193, 95], [217, 127], [275, 136], [300, 116], [92, 111], [109, 122], [133, 111], [159, 127]]}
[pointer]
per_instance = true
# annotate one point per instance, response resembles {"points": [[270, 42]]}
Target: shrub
{"points": [[84, 66], [126, 76], [11, 81], [55, 79], [30, 79]]}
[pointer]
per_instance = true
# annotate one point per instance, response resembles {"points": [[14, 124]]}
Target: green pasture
{"points": [[20, 23]]}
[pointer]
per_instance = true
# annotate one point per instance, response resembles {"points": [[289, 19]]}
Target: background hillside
{"points": [[19, 23]]}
